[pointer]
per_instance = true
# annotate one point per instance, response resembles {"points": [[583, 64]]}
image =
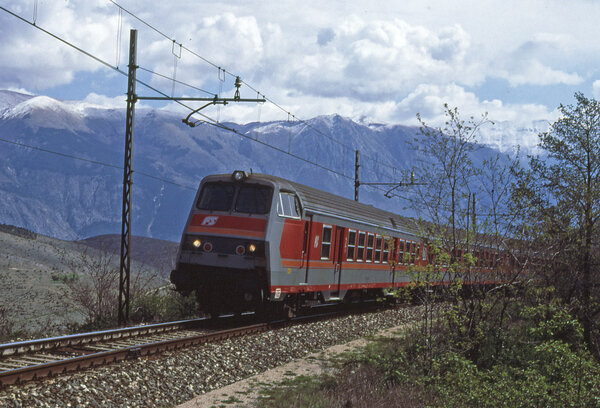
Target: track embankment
{"points": [[173, 377]]}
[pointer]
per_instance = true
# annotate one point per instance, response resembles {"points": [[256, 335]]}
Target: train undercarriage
{"points": [[221, 291]]}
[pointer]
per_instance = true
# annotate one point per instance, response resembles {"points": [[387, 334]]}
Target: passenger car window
{"points": [[370, 241], [387, 242], [401, 256], [351, 245], [413, 252], [360, 250], [378, 242], [326, 242]]}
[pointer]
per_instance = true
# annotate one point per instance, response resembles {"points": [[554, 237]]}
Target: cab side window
{"points": [[288, 205]]}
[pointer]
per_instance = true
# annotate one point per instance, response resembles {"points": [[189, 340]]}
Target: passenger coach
{"points": [[255, 241]]}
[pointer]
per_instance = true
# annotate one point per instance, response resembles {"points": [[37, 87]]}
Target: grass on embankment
{"points": [[537, 359]]}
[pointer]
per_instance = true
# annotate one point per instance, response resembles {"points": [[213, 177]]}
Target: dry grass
{"points": [[35, 272], [356, 386]]}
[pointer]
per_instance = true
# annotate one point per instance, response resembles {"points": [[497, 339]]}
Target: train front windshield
{"points": [[241, 198]]}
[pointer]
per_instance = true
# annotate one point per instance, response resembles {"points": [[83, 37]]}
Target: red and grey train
{"points": [[255, 241]]}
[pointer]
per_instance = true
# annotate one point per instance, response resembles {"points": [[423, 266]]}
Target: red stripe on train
{"points": [[349, 286], [322, 288], [228, 221]]}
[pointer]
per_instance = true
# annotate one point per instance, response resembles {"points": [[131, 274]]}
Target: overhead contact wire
{"points": [[175, 80], [209, 121], [64, 41], [96, 162], [234, 76]]}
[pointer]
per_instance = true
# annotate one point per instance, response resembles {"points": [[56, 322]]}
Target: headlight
{"points": [[239, 175], [197, 243], [251, 248]]}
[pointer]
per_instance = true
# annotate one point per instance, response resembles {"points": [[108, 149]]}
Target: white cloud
{"points": [[533, 72], [596, 89], [381, 60], [531, 63], [37, 61], [117, 102], [428, 100]]}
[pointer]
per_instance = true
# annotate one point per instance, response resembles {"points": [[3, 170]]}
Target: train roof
{"points": [[323, 203]]}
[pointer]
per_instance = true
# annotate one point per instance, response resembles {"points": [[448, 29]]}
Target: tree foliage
{"points": [[469, 249], [494, 343], [446, 170], [561, 193]]}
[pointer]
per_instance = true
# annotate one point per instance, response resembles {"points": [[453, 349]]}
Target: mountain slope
{"points": [[72, 199]]}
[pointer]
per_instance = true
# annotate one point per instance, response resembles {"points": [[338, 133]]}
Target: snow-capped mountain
{"points": [[61, 196], [505, 136]]}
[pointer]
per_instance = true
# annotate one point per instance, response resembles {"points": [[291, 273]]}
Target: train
{"points": [[261, 243]]}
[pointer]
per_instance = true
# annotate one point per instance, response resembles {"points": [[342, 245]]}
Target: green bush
{"points": [[64, 277], [162, 305], [555, 377], [536, 359]]}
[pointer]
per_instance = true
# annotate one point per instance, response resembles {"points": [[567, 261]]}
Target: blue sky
{"points": [[381, 61]]}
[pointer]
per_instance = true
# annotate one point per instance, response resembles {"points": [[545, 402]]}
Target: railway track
{"points": [[36, 359]]}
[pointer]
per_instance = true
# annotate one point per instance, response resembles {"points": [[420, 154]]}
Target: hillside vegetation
{"points": [[49, 286]]}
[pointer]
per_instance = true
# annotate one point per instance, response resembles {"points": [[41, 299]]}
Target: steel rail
{"points": [[70, 364], [50, 343], [37, 359]]}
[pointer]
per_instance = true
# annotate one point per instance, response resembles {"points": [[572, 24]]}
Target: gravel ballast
{"points": [[175, 377]]}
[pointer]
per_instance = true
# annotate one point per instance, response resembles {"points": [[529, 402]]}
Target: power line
{"points": [[96, 162], [169, 38], [161, 33], [220, 125], [176, 80], [33, 24], [115, 68], [98, 59], [70, 156], [221, 69], [209, 120]]}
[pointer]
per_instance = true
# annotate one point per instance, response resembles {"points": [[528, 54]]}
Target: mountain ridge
{"points": [[72, 199]]}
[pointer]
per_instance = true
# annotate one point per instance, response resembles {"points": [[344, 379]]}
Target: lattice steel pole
{"points": [[127, 184], [356, 181]]}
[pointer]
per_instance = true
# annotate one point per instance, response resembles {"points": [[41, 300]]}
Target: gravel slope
{"points": [[176, 377]]}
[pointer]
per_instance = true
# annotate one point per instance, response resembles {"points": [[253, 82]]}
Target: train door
{"points": [[391, 244], [338, 257]]}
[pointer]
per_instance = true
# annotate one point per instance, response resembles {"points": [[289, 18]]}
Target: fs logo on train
{"points": [[210, 220]]}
